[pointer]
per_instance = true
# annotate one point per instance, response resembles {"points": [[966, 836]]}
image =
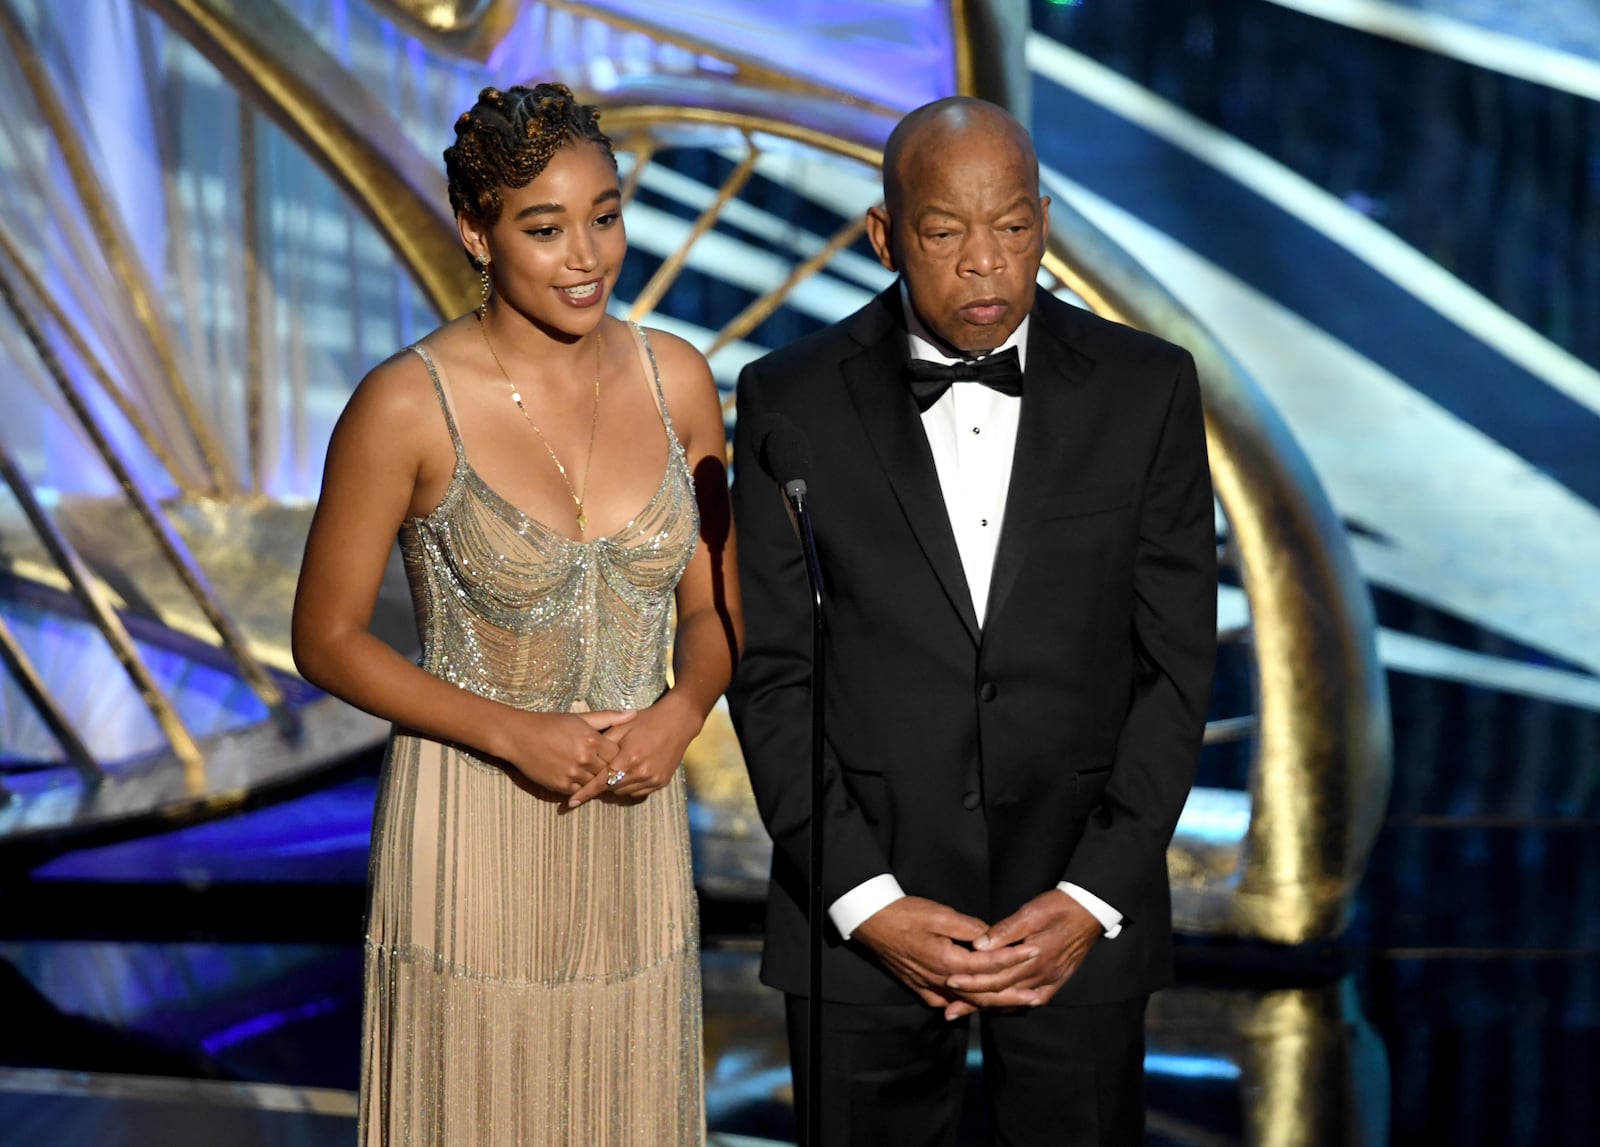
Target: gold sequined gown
{"points": [[532, 974]]}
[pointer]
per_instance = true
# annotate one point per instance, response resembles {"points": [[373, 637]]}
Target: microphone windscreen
{"points": [[785, 453]]}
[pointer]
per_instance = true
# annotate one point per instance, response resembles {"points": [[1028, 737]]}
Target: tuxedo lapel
{"points": [[1053, 399], [889, 414]]}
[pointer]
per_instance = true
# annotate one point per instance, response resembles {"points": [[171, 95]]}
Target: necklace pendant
{"points": [[583, 521]]}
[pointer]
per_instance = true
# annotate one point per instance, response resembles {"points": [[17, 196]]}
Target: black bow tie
{"points": [[929, 380]]}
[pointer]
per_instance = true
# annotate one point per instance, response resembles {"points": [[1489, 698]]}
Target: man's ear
{"points": [[880, 233]]}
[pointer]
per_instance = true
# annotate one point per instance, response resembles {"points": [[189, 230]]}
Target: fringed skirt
{"points": [[532, 972]]}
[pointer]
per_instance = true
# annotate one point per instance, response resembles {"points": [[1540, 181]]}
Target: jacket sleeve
{"points": [[770, 697], [1123, 849]]}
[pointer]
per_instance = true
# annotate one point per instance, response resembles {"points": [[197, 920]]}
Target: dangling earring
{"points": [[483, 277]]}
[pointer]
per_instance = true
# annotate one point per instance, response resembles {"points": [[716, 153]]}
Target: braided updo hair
{"points": [[507, 138]]}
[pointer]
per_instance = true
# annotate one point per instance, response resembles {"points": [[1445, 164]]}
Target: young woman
{"points": [[556, 480]]}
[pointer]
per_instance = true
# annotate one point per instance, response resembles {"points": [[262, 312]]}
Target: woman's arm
{"points": [[710, 626], [380, 450]]}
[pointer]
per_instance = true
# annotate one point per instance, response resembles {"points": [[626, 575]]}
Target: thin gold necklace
{"points": [[582, 492]]}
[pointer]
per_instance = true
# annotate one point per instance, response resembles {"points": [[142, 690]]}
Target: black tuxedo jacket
{"points": [[981, 767]]}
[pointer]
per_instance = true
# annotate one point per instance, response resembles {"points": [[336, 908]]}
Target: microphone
{"points": [[785, 455]]}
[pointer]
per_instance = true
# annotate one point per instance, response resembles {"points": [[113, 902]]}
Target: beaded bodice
{"points": [[513, 610]]}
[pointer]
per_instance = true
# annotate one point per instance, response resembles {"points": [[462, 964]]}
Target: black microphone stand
{"points": [[795, 491]]}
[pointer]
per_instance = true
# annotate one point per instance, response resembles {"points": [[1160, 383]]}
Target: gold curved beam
{"points": [[28, 679], [757, 312], [172, 549], [274, 62], [962, 13], [671, 267], [1320, 777], [754, 72], [1307, 1057], [113, 244], [254, 323], [1086, 289], [990, 39], [473, 29], [464, 28], [80, 347], [644, 117], [95, 600], [643, 150]]}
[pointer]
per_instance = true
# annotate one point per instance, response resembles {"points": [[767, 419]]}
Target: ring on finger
{"points": [[611, 781]]}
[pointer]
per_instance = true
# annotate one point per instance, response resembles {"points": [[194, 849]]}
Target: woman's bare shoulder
{"points": [[683, 368], [690, 390], [671, 348], [393, 396]]}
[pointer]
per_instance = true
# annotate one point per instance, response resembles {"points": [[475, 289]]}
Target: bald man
{"points": [[1014, 518]]}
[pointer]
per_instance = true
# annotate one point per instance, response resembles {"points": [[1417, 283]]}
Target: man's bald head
{"points": [[962, 222], [926, 134]]}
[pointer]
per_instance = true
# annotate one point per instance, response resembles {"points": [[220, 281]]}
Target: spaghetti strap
{"points": [[444, 399], [647, 359]]}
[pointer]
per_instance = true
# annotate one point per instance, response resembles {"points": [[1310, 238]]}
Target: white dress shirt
{"points": [[972, 432]]}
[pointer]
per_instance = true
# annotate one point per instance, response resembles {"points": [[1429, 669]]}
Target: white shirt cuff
{"points": [[866, 899], [1110, 919]]}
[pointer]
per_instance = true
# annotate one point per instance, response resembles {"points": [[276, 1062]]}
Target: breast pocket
{"points": [[1086, 500]]}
